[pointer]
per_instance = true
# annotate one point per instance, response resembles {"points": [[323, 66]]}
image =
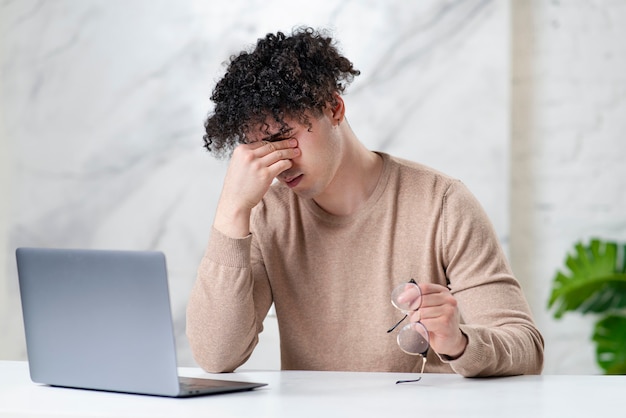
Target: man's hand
{"points": [[440, 315], [250, 173]]}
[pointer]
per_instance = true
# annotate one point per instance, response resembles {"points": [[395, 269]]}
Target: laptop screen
{"points": [[98, 319]]}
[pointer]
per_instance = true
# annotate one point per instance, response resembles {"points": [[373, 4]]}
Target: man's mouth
{"points": [[292, 181]]}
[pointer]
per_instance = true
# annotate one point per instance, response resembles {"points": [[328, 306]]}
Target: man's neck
{"points": [[355, 181]]}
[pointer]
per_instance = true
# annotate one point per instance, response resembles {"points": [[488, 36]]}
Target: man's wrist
{"points": [[233, 224], [458, 353]]}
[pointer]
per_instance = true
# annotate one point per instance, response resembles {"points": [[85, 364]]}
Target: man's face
{"points": [[320, 145]]}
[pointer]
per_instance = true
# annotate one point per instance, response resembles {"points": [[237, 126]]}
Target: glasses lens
{"points": [[407, 297], [413, 339]]}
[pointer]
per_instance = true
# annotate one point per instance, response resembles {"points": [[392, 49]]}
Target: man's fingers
{"points": [[282, 154], [271, 157], [280, 166], [268, 147], [265, 147], [272, 152]]}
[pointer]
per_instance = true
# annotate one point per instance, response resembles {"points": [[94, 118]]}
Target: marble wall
{"points": [[103, 102]]}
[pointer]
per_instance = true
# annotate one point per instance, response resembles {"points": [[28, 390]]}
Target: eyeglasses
{"points": [[413, 337]]}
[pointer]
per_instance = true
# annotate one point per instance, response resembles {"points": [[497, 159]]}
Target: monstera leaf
{"points": [[596, 283], [610, 337]]}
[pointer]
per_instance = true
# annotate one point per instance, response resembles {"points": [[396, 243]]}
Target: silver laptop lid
{"points": [[98, 319]]}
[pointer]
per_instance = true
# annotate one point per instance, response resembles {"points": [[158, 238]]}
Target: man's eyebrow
{"points": [[278, 136]]}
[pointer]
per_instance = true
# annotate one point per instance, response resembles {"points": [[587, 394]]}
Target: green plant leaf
{"points": [[596, 281], [610, 337]]}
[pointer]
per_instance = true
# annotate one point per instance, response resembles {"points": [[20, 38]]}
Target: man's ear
{"points": [[338, 110]]}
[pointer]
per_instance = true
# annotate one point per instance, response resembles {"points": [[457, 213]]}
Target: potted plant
{"points": [[595, 282]]}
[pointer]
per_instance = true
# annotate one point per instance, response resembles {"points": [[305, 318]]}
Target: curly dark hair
{"points": [[283, 76]]}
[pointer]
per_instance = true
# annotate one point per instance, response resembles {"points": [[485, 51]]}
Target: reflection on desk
{"points": [[331, 394]]}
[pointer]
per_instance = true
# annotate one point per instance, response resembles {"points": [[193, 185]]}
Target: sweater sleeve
{"points": [[227, 305], [502, 336]]}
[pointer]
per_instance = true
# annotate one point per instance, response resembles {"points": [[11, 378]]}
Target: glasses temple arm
{"points": [[421, 372], [398, 323]]}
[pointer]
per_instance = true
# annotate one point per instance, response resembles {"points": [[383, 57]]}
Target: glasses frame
{"points": [[424, 354]]}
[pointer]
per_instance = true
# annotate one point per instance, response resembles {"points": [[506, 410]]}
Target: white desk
{"points": [[332, 394]]}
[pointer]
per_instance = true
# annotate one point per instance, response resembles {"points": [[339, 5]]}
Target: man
{"points": [[340, 229]]}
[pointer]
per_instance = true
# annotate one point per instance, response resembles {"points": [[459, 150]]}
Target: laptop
{"points": [[101, 319]]}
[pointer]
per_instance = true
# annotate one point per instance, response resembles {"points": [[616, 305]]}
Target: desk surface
{"points": [[331, 394]]}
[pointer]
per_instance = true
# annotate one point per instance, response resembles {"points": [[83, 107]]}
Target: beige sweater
{"points": [[330, 278]]}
